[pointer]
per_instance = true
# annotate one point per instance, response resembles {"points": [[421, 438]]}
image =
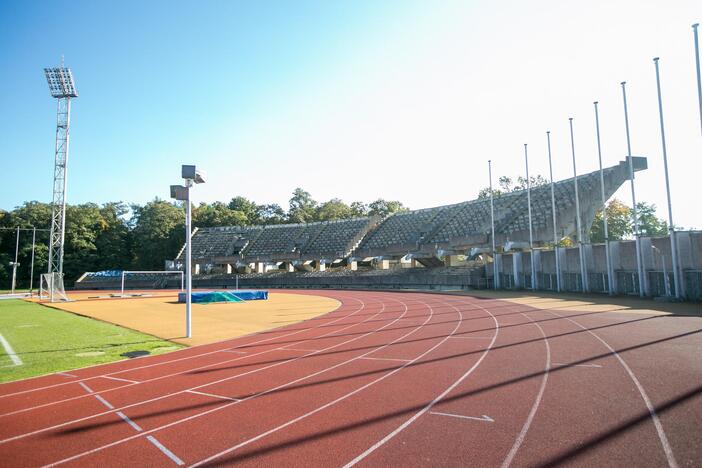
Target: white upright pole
{"points": [[495, 275], [182, 280], [578, 227], [610, 279], [639, 266], [122, 288], [188, 267], [699, 78], [531, 231], [31, 269], [671, 227], [14, 265], [553, 211]]}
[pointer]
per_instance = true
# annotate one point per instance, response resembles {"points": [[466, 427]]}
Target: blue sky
{"points": [[359, 100]]}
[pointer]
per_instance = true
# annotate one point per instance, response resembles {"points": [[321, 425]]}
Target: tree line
{"points": [[116, 235]]}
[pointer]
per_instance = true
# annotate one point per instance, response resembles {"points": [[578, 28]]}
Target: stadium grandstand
{"points": [[445, 247]]}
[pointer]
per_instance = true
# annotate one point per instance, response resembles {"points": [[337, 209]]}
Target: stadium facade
{"points": [[445, 247]]}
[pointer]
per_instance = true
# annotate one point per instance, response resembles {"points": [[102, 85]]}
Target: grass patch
{"points": [[49, 340]]}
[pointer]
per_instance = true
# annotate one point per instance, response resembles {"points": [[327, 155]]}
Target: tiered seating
{"points": [[468, 218], [401, 228], [277, 239], [337, 237]]}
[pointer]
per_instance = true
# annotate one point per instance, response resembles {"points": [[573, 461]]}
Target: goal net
{"points": [[51, 287], [150, 279]]}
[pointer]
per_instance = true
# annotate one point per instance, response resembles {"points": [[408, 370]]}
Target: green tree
{"points": [[649, 223], [218, 214], [359, 209], [270, 214], [619, 223], [334, 209], [303, 208], [245, 206], [382, 207], [506, 184], [158, 233]]}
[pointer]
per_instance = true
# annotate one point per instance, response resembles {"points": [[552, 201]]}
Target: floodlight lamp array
{"points": [[60, 80]]}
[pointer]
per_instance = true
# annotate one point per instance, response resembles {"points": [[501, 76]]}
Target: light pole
{"points": [[531, 233], [578, 227], [610, 271], [553, 211], [495, 276], [179, 192]]}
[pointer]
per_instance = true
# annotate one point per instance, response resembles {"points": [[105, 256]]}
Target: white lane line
{"points": [[129, 421], [85, 387], [66, 374], [386, 359], [213, 395], [135, 426], [293, 382], [120, 379], [295, 332], [302, 350], [103, 401], [537, 401], [381, 311], [341, 398], [16, 361], [167, 452], [428, 407], [576, 365], [484, 417], [234, 351], [667, 449], [473, 337], [363, 305]]}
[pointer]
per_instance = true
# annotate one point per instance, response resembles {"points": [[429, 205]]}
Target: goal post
{"points": [[51, 287], [126, 273]]}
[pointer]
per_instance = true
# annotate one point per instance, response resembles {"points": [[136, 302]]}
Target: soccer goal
{"points": [[51, 287], [157, 279]]}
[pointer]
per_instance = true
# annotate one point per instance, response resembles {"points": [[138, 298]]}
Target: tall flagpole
{"points": [[553, 211], [671, 226], [639, 266], [699, 78], [610, 279], [583, 270], [531, 233], [495, 278]]}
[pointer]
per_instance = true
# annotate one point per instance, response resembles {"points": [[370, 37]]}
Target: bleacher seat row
{"points": [[461, 225]]}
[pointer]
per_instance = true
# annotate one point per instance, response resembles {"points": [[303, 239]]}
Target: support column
{"points": [[517, 270], [383, 265], [353, 265], [498, 270], [289, 267], [320, 265], [536, 260], [260, 267]]}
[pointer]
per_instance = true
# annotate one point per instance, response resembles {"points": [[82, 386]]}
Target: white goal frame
{"points": [[51, 287], [161, 272]]}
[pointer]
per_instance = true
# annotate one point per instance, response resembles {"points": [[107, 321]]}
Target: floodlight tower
{"points": [[61, 86]]}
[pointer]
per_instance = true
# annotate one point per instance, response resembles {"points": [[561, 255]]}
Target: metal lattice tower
{"points": [[62, 88]]}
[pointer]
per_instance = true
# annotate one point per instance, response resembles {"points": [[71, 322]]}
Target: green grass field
{"points": [[47, 340]]}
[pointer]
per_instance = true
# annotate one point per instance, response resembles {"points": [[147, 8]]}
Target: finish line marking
{"points": [[213, 395], [484, 417], [16, 361]]}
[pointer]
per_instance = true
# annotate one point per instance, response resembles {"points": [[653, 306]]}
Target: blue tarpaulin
{"points": [[238, 295]]}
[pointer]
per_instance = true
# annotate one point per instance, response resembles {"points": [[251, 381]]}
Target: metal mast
{"points": [[62, 88]]}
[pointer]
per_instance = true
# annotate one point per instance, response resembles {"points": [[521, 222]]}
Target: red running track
{"points": [[387, 379]]}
